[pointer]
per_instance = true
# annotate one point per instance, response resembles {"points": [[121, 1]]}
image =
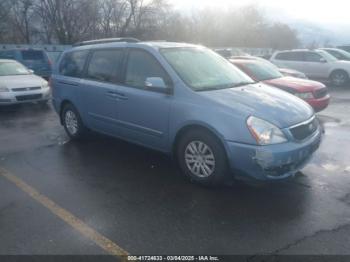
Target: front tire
{"points": [[339, 78], [72, 123], [202, 158]]}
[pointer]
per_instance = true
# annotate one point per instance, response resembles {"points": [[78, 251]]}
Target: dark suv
{"points": [[34, 59]]}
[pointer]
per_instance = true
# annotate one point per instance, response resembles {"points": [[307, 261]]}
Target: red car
{"points": [[315, 93]]}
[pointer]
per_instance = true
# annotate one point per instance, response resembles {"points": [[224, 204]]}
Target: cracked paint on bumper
{"points": [[272, 162]]}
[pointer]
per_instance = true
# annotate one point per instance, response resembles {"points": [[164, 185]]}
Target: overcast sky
{"points": [[316, 11]]}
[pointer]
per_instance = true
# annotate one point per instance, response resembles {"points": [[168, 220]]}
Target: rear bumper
{"points": [[319, 104], [273, 162], [13, 98]]}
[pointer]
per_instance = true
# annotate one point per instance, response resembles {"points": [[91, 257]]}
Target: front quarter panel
{"points": [[225, 123]]}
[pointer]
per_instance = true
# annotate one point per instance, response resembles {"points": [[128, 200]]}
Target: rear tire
{"points": [[202, 158], [72, 123], [339, 78]]}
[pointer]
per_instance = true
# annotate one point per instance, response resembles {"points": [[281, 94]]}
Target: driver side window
{"points": [[142, 65]]}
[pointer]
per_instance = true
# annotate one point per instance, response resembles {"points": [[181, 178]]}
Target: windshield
{"points": [[202, 69], [12, 68], [327, 56], [263, 71]]}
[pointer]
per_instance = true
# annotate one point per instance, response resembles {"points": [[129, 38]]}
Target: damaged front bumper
{"points": [[272, 162]]}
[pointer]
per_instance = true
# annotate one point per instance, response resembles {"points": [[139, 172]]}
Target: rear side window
{"points": [[312, 57], [105, 65], [30, 55], [290, 56], [336, 54], [72, 63], [140, 66], [7, 55]]}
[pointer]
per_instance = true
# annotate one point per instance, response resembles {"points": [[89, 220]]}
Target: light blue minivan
{"points": [[186, 101]]}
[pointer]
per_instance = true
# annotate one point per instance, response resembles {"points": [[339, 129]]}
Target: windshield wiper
{"points": [[220, 87], [243, 84]]}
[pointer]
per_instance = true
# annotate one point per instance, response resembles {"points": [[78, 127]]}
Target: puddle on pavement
{"points": [[328, 121]]}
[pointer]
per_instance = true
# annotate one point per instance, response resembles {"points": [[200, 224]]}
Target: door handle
{"points": [[117, 95], [122, 96], [112, 94]]}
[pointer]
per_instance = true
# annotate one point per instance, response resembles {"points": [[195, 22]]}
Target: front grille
{"points": [[320, 93], [303, 131], [21, 89], [28, 97]]}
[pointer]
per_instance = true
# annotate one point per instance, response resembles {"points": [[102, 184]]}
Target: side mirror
{"points": [[31, 71], [157, 84], [322, 60]]}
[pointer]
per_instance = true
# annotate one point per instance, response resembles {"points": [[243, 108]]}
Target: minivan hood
{"points": [[271, 104]]}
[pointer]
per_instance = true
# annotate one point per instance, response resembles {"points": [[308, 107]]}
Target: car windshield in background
{"points": [[12, 68], [263, 71], [339, 53], [203, 70], [327, 56], [30, 55]]}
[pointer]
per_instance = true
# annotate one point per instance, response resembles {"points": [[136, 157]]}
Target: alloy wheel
{"points": [[71, 122], [200, 159]]}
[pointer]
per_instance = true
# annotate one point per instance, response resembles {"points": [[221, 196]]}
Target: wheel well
{"points": [[339, 70], [186, 129]]}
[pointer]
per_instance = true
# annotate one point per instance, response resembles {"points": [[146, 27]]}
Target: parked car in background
{"points": [[344, 47], [284, 71], [19, 85], [34, 59], [315, 64], [54, 56], [337, 53], [224, 52], [314, 93], [228, 52], [187, 101]]}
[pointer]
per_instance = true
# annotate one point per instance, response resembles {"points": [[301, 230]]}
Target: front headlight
{"points": [[306, 95], [4, 89], [45, 85], [264, 132]]}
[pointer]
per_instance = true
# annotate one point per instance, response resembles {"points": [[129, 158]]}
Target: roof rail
{"points": [[108, 40]]}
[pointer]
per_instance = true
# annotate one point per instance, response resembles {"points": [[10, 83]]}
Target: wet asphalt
{"points": [[137, 198]]}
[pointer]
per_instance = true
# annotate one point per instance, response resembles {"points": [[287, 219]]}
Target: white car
{"points": [[315, 64], [19, 85]]}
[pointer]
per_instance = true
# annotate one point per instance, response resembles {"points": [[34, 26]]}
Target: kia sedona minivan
{"points": [[186, 101]]}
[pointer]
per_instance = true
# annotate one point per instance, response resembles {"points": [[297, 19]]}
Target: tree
{"points": [[281, 36], [4, 5], [20, 18], [70, 21]]}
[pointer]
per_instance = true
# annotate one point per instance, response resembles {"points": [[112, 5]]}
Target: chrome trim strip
{"points": [[303, 123]]}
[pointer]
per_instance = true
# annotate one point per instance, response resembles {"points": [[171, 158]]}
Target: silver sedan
{"points": [[19, 85]]}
